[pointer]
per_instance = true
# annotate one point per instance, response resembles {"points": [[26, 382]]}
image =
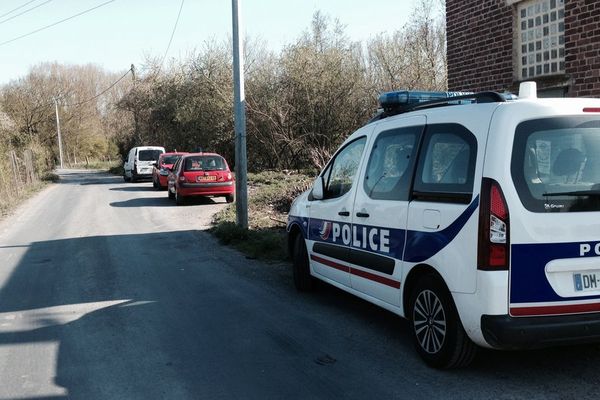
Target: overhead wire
{"points": [[171, 38], [25, 12], [56, 23], [18, 8], [99, 94]]}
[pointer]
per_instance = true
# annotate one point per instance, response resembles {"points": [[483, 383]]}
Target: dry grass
{"points": [[270, 195]]}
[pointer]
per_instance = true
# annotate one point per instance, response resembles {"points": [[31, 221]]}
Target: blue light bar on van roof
{"points": [[404, 98]]}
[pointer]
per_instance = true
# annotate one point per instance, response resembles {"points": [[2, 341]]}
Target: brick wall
{"points": [[582, 47], [480, 45]]}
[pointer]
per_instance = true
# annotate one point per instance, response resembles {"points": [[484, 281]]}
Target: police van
{"points": [[474, 216]]}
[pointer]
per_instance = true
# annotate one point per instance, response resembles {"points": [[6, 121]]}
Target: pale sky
{"points": [[121, 32]]}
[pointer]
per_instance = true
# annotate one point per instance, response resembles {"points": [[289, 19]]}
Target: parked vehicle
{"points": [[200, 174], [140, 161], [160, 171], [478, 222]]}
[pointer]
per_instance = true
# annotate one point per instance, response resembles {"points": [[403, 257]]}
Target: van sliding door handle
{"points": [[344, 213], [362, 215]]}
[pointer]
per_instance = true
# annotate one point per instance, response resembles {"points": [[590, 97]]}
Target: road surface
{"points": [[110, 291]]}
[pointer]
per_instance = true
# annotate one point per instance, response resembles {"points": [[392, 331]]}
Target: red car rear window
{"points": [[204, 163]]}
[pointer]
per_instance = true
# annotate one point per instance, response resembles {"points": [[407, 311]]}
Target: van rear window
{"points": [[149, 155], [556, 164]]}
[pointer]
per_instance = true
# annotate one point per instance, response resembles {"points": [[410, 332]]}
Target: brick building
{"points": [[496, 44]]}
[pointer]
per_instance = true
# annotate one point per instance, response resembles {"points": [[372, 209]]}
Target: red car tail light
{"points": [[494, 228]]}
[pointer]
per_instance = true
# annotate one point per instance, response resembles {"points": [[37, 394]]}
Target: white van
{"points": [[140, 161], [480, 222]]}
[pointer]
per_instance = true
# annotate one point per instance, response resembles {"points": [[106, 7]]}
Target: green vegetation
{"points": [[101, 165], [270, 197]]}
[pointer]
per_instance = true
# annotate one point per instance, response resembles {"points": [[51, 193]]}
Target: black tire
{"points": [[179, 200], [303, 281], [125, 178], [439, 336], [133, 177], [230, 198], [155, 185], [171, 195]]}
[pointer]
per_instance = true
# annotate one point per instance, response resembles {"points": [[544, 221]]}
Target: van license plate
{"points": [[586, 282]]}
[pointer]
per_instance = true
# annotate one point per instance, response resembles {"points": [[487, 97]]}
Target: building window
{"points": [[541, 38]]}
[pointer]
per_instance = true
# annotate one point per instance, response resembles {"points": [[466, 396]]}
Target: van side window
{"points": [[446, 164], [339, 174], [391, 164]]}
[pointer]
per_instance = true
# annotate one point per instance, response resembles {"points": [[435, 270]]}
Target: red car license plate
{"points": [[206, 178]]}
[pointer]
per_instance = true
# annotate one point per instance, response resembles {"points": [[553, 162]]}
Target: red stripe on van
{"points": [[363, 274], [329, 263], [375, 278], [555, 310]]}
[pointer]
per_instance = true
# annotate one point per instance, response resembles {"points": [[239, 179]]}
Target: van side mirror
{"points": [[317, 189]]}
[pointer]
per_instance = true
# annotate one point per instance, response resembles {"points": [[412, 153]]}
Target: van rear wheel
{"points": [[439, 336]]}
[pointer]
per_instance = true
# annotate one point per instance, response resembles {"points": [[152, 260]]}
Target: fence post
{"points": [[15, 168]]}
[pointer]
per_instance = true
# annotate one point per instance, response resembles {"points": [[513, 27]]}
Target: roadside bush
{"points": [[50, 177], [270, 196]]}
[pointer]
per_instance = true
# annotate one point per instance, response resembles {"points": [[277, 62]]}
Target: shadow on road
{"points": [[144, 202], [112, 317], [129, 188]]}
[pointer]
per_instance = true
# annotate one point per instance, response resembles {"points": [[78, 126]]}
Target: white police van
{"points": [[479, 222]]}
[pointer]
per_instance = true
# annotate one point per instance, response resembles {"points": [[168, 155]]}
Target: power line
{"points": [[25, 12], [56, 23], [18, 8], [101, 93], [172, 35]]}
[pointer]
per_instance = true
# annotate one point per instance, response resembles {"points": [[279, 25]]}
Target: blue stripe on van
{"points": [[423, 245], [420, 246], [528, 282]]}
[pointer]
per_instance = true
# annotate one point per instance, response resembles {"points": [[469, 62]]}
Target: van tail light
{"points": [[494, 228]]}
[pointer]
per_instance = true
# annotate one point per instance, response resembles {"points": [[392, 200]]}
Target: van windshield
{"points": [[149, 155], [556, 164]]}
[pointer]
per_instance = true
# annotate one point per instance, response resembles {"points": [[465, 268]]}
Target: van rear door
{"points": [[555, 235]]}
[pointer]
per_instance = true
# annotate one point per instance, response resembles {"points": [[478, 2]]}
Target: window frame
{"points": [[536, 52], [445, 192], [408, 175], [326, 173], [522, 132]]}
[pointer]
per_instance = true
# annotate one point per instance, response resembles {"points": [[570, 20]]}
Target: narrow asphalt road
{"points": [[110, 291]]}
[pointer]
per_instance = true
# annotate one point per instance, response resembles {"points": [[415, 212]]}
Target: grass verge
{"points": [[10, 203], [270, 195]]}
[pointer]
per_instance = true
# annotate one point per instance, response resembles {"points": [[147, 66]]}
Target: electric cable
{"points": [[24, 12], [99, 94], [15, 9], [171, 39], [56, 23]]}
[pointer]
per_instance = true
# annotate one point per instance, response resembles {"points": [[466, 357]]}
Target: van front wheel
{"points": [[439, 336], [303, 281]]}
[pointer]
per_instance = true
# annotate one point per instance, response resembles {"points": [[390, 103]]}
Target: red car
{"points": [[160, 173], [200, 174]]}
